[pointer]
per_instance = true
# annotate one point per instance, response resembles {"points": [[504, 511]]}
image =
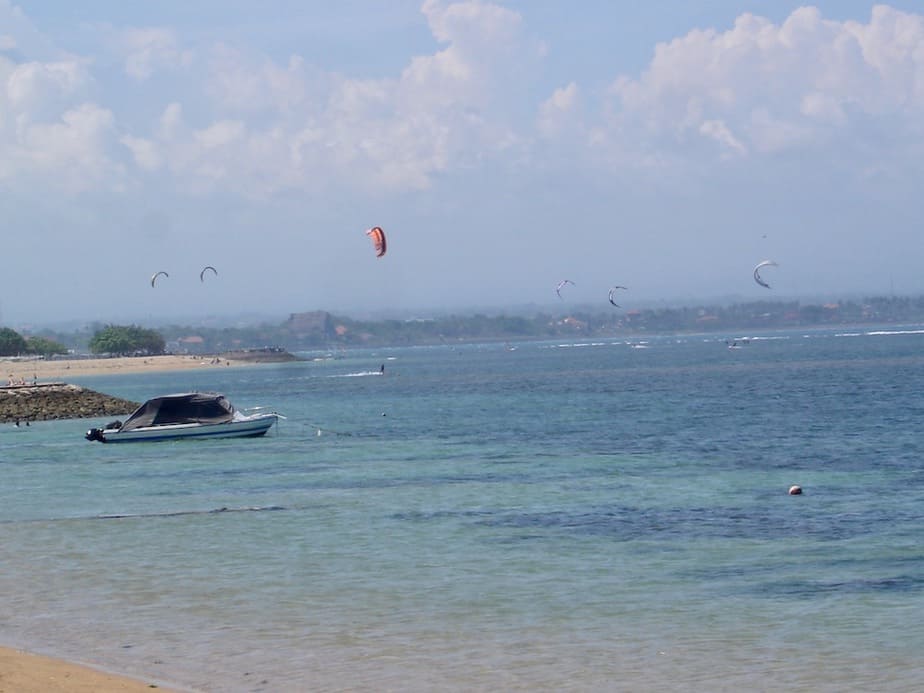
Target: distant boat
{"points": [[185, 415]]}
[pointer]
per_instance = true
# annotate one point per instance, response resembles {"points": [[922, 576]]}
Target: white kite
{"points": [[761, 265]]}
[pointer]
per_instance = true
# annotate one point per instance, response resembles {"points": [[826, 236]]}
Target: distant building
{"points": [[317, 325], [190, 344]]}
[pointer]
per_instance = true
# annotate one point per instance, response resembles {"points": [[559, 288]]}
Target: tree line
{"points": [[14, 344], [116, 340], [324, 330]]}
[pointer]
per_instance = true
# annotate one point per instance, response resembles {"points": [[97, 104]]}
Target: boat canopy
{"points": [[182, 408]]}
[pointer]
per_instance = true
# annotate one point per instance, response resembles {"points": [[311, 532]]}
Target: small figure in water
{"points": [[382, 369]]}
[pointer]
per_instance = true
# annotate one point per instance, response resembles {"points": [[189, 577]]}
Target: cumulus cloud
{"points": [[719, 131], [32, 86], [762, 88], [51, 133], [252, 124], [150, 49], [559, 111], [294, 126], [242, 83], [145, 152], [71, 152]]}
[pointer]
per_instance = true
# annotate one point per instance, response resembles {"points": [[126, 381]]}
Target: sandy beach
{"points": [[16, 371], [23, 672]]}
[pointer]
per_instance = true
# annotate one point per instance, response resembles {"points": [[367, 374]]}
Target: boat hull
{"points": [[251, 427]]}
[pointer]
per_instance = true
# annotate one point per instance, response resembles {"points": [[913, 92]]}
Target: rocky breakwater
{"points": [[58, 401], [262, 355]]}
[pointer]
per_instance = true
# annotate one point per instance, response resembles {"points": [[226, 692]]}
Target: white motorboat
{"points": [[185, 415]]}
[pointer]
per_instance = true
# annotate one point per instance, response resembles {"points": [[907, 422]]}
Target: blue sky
{"points": [[503, 146]]}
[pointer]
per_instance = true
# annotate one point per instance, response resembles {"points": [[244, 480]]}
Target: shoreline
{"points": [[18, 372], [27, 672]]}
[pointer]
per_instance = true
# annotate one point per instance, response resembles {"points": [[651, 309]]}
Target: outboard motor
{"points": [[95, 434]]}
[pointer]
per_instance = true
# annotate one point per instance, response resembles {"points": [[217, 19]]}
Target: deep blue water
{"points": [[553, 516]]}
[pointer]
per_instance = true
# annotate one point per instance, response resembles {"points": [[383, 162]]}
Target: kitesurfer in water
{"points": [[382, 369]]}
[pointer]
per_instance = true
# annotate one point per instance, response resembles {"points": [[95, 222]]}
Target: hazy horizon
{"points": [[556, 308], [503, 147]]}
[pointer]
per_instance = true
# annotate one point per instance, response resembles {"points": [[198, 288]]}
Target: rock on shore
{"points": [[58, 401]]}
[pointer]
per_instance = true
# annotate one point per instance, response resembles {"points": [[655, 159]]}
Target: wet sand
{"points": [[26, 371], [23, 672]]}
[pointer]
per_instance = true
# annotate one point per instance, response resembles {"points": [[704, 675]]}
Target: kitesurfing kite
{"points": [[613, 294], [378, 239], [561, 285], [761, 265], [202, 273], [156, 275]]}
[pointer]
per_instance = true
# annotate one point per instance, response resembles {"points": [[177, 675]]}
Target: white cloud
{"points": [[145, 152], [761, 88], [239, 82], [51, 134], [235, 121], [270, 127], [72, 152], [171, 121], [221, 134], [823, 107], [487, 51], [150, 49], [560, 110], [718, 131], [32, 86]]}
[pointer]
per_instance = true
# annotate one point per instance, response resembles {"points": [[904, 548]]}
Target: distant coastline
{"points": [[320, 329]]}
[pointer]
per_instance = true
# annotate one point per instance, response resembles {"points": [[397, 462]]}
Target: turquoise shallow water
{"points": [[580, 516]]}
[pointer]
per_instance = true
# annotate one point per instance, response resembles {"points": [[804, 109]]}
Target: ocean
{"points": [[571, 516]]}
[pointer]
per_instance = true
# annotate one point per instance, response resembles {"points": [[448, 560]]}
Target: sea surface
{"points": [[564, 516]]}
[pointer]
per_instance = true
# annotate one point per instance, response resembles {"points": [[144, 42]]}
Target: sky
{"points": [[503, 147]]}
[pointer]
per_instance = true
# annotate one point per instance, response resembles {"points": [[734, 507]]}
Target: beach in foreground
{"points": [[42, 371], [23, 672]]}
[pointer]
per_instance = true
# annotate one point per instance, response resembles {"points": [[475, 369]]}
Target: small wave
{"points": [[180, 513], [575, 345], [889, 333], [358, 374], [807, 589]]}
